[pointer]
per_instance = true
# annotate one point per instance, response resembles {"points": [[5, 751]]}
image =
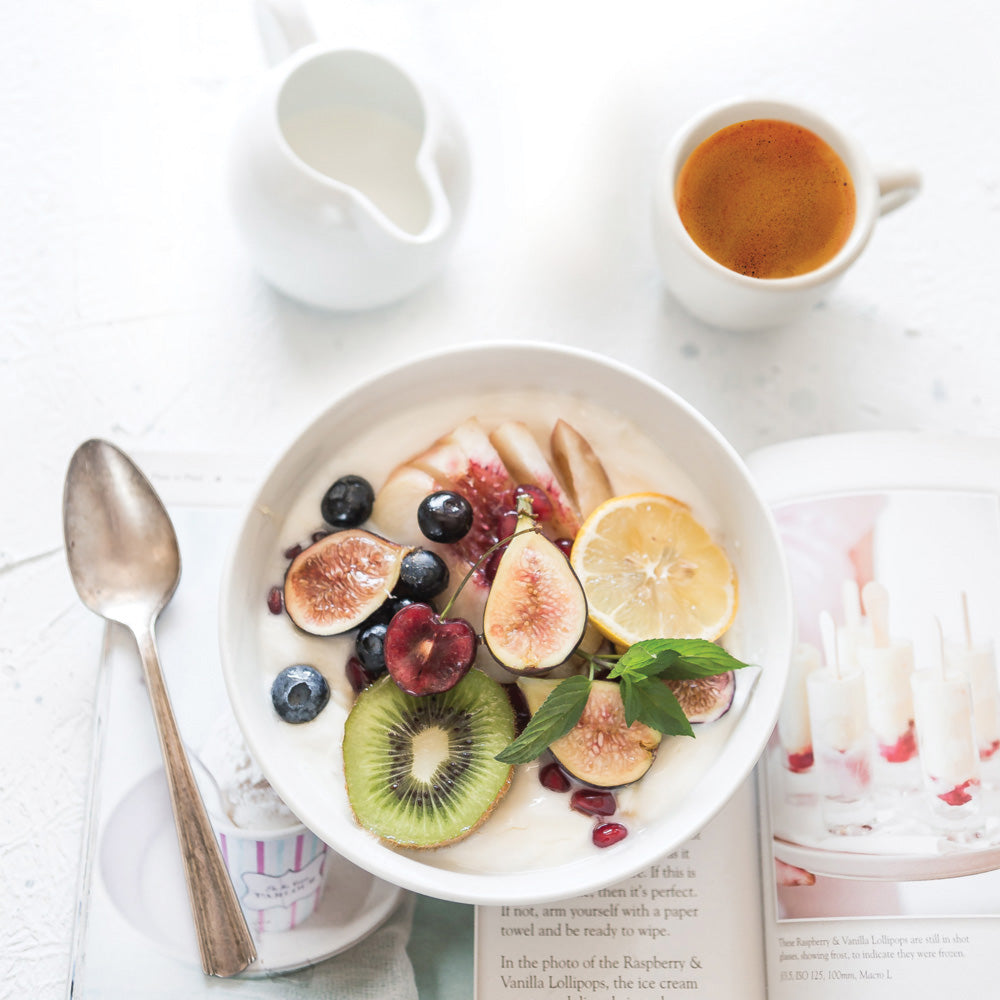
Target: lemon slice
{"points": [[650, 570]]}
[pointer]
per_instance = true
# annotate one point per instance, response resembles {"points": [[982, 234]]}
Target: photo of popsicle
{"points": [[887, 664]]}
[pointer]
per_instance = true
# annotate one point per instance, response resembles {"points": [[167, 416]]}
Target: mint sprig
{"points": [[640, 672], [673, 660], [556, 716]]}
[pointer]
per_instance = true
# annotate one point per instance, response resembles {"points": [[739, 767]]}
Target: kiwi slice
{"points": [[420, 771]]}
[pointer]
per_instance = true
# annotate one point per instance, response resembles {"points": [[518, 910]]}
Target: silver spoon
{"points": [[123, 558]]}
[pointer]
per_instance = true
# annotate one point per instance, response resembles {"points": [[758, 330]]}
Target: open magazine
{"points": [[865, 854], [798, 888]]}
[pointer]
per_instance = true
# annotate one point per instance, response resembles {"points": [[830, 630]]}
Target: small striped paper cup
{"points": [[278, 874]]}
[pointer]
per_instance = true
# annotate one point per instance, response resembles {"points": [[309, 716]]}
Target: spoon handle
{"points": [[223, 936]]}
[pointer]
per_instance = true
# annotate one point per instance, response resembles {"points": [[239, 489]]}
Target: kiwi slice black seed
{"points": [[420, 771]]}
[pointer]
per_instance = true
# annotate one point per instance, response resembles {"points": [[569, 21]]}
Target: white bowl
{"points": [[302, 761]]}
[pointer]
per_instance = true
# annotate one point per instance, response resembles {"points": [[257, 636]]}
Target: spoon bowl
{"points": [[123, 557]]}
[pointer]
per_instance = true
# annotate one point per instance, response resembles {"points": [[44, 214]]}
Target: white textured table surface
{"points": [[128, 310]]}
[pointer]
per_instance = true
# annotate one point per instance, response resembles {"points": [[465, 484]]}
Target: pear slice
{"points": [[528, 465], [580, 469]]}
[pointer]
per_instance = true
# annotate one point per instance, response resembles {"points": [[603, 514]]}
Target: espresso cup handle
{"points": [[284, 27], [896, 187]]}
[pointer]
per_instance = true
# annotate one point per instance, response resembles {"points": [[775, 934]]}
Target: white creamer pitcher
{"points": [[348, 181]]}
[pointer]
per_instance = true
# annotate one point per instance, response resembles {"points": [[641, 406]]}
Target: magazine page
{"points": [[690, 923], [880, 789]]}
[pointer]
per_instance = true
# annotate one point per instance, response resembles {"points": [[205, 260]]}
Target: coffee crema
{"points": [[766, 198]]}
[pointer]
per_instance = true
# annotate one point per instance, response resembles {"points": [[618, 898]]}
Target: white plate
{"points": [[886, 867], [140, 864], [302, 762]]}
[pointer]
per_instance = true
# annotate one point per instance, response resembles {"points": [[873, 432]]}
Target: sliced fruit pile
{"points": [[485, 545]]}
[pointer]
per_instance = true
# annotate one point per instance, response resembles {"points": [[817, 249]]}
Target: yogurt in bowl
{"points": [[533, 847]]}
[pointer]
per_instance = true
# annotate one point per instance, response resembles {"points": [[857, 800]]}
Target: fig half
{"points": [[705, 699], [337, 582], [600, 750], [536, 611]]}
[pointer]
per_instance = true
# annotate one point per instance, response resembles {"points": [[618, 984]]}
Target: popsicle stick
{"points": [[876, 602], [851, 599], [938, 648], [966, 622], [828, 635]]}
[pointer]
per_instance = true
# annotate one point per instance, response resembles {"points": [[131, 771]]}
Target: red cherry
{"points": [[592, 803], [427, 654], [565, 545], [554, 778], [608, 833]]}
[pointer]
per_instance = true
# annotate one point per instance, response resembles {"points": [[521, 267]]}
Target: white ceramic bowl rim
{"points": [[733, 765]]}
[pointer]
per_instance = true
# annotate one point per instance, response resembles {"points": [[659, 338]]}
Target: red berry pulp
{"points": [[541, 505]]}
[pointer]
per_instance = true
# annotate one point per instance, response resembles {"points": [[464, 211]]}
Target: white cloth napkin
{"points": [[376, 968]]}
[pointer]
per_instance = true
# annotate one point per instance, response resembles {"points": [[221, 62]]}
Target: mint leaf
{"points": [[556, 716], [674, 659], [652, 703], [644, 659]]}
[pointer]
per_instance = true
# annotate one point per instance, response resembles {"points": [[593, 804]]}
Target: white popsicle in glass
{"points": [[794, 731], [977, 662], [887, 664], [949, 756], [841, 742]]}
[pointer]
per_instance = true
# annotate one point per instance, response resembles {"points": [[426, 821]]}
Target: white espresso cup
{"points": [[723, 297]]}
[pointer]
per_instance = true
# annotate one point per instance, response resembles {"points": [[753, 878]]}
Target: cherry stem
{"points": [[468, 576]]}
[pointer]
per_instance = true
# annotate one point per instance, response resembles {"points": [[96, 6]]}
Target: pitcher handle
{"points": [[896, 187], [284, 27]]}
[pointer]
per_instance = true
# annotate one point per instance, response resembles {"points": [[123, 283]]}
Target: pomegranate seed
{"points": [[609, 833], [507, 524], [593, 803], [293, 551], [565, 545], [490, 568], [275, 600], [554, 778], [317, 535], [541, 505], [357, 676]]}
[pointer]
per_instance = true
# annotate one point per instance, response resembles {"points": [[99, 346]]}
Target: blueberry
{"points": [[348, 502], [299, 693], [382, 615], [444, 516], [369, 648], [422, 575]]}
